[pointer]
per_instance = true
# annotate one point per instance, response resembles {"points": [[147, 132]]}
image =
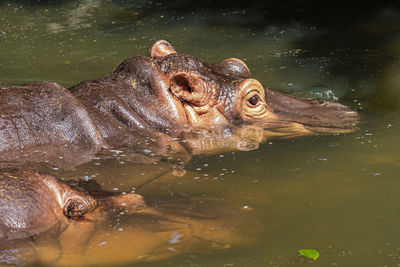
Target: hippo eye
{"points": [[253, 101]]}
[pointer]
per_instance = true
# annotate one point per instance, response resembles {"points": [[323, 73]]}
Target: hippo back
{"points": [[43, 122]]}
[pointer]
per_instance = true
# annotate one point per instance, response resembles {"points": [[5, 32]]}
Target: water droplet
{"points": [[102, 243]]}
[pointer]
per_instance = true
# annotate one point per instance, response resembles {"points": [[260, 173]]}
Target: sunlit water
{"points": [[337, 194]]}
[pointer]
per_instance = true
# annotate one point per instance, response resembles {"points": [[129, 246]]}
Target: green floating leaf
{"points": [[309, 253]]}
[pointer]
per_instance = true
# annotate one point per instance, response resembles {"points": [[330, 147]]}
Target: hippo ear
{"points": [[193, 90], [161, 48], [77, 205], [233, 67]]}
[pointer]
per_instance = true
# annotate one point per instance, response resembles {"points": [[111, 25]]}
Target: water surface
{"points": [[337, 194]]}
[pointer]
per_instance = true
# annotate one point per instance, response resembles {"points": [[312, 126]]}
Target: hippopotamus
{"points": [[32, 203], [169, 105], [48, 221]]}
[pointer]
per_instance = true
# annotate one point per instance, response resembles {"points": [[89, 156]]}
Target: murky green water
{"points": [[337, 194]]}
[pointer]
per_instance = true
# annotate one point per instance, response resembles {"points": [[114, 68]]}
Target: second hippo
{"points": [[45, 221], [31, 203]]}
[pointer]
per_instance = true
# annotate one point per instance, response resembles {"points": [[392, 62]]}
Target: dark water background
{"points": [[337, 194]]}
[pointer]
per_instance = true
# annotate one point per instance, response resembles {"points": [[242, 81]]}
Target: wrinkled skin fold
{"points": [[169, 105]]}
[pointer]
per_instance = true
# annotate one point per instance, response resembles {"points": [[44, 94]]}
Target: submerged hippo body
{"points": [[46, 221], [43, 122], [149, 105], [31, 203]]}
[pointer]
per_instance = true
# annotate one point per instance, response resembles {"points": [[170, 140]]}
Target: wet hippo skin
{"points": [[168, 105], [31, 203]]}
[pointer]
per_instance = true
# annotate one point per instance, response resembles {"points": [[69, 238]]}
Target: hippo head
{"points": [[225, 94], [32, 203]]}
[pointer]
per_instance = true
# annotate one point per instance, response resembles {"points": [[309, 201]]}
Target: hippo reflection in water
{"points": [[169, 105], [47, 221]]}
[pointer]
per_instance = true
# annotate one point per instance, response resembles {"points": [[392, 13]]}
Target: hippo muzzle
{"points": [[311, 116]]}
